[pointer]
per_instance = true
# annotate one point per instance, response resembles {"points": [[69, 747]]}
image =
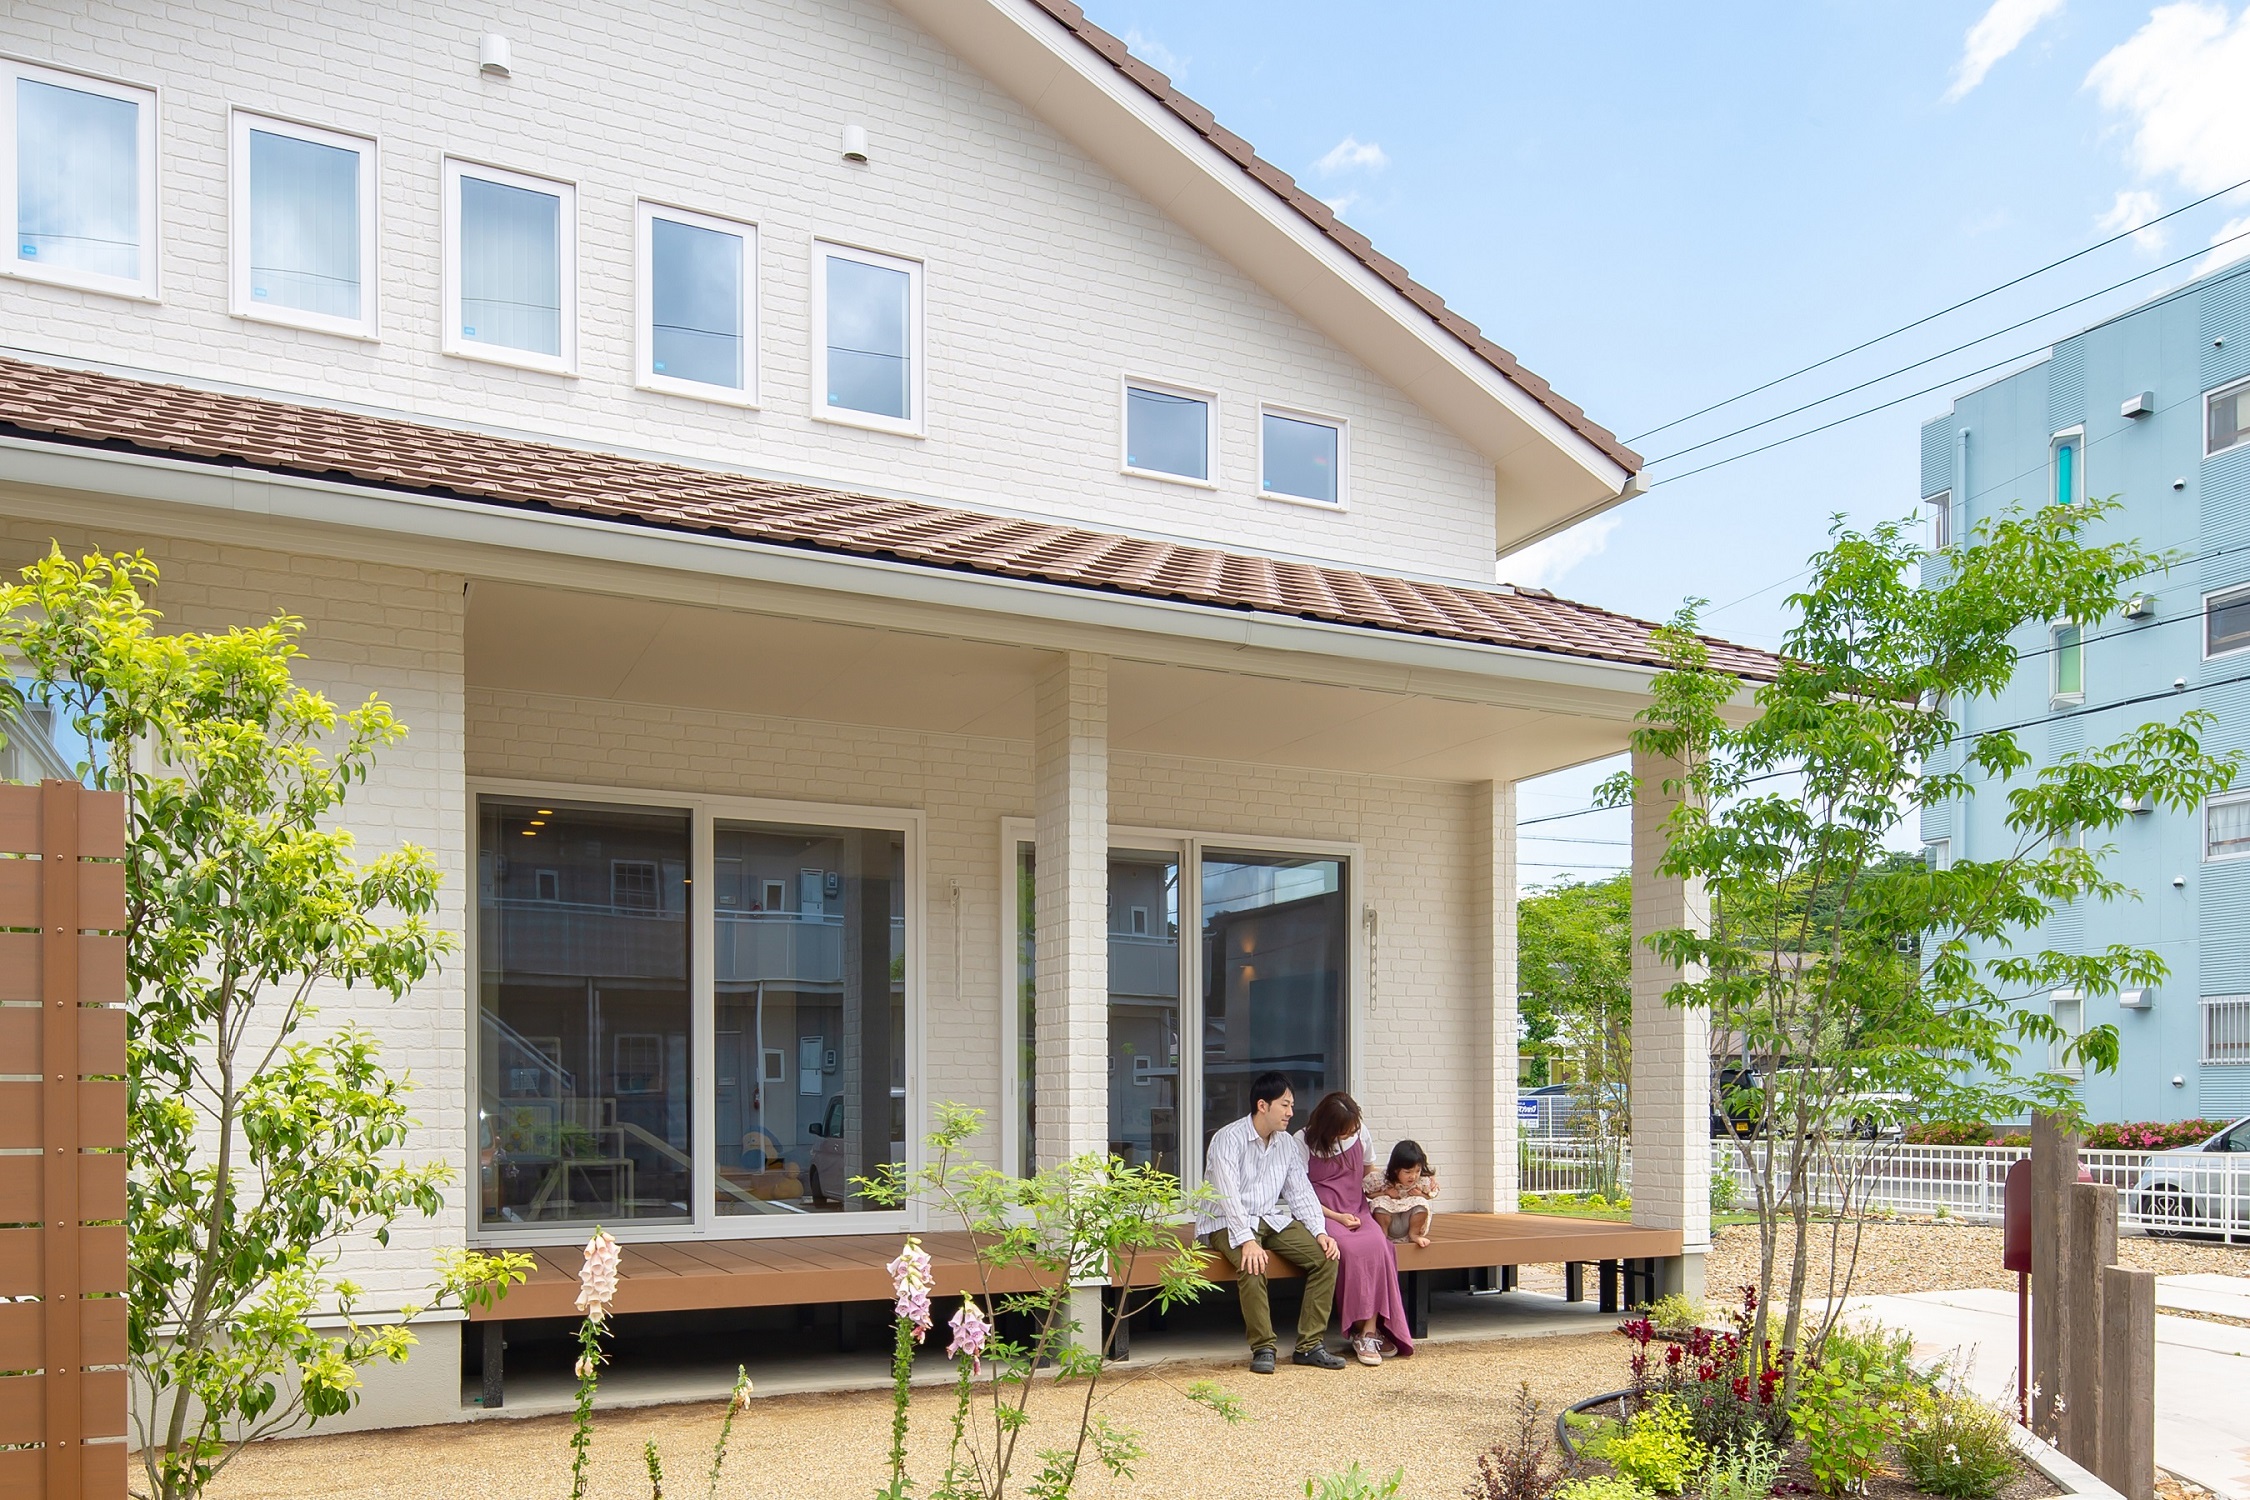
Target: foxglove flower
{"points": [[970, 1330], [597, 1276], [910, 1280]]}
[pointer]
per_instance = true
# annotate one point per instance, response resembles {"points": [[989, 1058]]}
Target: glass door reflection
{"points": [[1275, 945], [1144, 1008]]}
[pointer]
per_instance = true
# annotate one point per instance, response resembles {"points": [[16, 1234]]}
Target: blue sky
{"points": [[1658, 206]]}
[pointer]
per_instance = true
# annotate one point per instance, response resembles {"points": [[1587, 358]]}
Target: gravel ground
{"points": [[1431, 1413], [1925, 1255]]}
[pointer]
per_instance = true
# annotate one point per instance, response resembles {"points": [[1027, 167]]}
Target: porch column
{"points": [[1671, 1048], [1494, 830], [1071, 910]]}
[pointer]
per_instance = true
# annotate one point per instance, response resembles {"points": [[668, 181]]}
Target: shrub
{"points": [[1355, 1483], [1676, 1315], [1883, 1357], [1731, 1390], [1746, 1472], [1725, 1190], [1524, 1466], [1949, 1133], [1657, 1450], [2151, 1135], [1955, 1445], [1602, 1487], [1845, 1418]]}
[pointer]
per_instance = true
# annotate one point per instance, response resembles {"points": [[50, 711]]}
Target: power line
{"points": [[1941, 312]]}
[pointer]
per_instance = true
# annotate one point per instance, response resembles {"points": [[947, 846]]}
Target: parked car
{"points": [[1738, 1107], [2203, 1188]]}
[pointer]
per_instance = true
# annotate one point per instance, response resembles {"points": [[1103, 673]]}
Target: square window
{"points": [[698, 300], [1168, 431], [78, 171], [2226, 418], [868, 360], [511, 260], [633, 883], [2226, 827], [2226, 622], [1940, 508], [303, 227], [2066, 647], [1301, 457]]}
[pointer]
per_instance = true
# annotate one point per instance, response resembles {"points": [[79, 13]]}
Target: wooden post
{"points": [[60, 1293], [2089, 1248], [2054, 1167], [2126, 1460]]}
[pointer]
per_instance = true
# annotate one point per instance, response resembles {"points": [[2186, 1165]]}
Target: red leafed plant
{"points": [[1730, 1390]]}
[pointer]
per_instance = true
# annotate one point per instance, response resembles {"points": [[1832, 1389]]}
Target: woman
{"points": [[1337, 1150]]}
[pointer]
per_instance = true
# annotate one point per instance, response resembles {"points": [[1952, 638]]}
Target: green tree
{"points": [[1918, 984], [255, 1147], [1574, 978]]}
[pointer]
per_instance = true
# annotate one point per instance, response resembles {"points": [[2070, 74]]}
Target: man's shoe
{"points": [[1261, 1361], [1318, 1357]]}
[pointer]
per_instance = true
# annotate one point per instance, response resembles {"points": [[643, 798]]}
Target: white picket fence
{"points": [[2203, 1194]]}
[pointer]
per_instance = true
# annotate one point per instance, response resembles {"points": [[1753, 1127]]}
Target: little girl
{"points": [[1399, 1195]]}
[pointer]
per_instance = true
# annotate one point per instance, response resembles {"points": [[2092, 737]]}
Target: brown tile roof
{"points": [[88, 408], [1362, 249]]}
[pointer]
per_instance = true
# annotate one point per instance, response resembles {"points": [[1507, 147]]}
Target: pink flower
{"points": [[910, 1279], [597, 1276], [970, 1330]]}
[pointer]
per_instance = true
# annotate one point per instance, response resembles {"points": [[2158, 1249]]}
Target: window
{"points": [[698, 302], [2066, 651], [1275, 946], [1168, 431], [303, 226], [583, 1033], [2226, 1039], [511, 268], [867, 365], [2226, 827], [1940, 508], [2066, 463], [1301, 457], [2226, 622], [79, 172], [2226, 418], [1938, 854], [2069, 1011]]}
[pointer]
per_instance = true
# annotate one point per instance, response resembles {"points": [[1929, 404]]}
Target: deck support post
{"points": [[1493, 827], [1671, 1065], [1071, 917], [494, 1368], [1574, 1281]]}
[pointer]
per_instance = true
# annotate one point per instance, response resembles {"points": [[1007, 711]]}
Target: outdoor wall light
{"points": [[492, 55], [855, 143]]}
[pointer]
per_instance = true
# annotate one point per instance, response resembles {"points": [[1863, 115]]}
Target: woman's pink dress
{"points": [[1367, 1273]]}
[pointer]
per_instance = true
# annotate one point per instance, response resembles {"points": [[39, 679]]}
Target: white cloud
{"points": [[1352, 154], [1542, 564], [2183, 82], [1158, 56], [1998, 32], [2223, 254], [1341, 204], [2133, 208]]}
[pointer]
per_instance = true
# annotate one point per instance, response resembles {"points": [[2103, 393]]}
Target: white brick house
{"points": [[1061, 574]]}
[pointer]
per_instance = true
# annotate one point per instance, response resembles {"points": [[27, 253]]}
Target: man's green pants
{"points": [[1295, 1244]]}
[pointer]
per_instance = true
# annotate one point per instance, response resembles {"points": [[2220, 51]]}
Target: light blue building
{"points": [[2153, 408]]}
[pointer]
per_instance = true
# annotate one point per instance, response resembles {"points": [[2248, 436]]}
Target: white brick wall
{"points": [[1071, 788], [1047, 281], [1671, 1044]]}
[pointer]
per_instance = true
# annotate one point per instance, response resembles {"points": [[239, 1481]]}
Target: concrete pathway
{"points": [[2202, 1368]]}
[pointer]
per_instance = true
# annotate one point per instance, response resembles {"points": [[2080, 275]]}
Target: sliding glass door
{"points": [[1276, 945], [1144, 1009]]}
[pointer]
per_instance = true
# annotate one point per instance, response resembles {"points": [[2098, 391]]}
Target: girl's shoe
{"points": [[1369, 1349]]}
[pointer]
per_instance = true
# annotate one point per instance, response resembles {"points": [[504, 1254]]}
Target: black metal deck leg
{"points": [[495, 1353], [1574, 1281], [1507, 1278], [1416, 1286], [1612, 1274]]}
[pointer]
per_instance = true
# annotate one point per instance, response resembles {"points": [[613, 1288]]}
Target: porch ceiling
{"points": [[543, 640]]}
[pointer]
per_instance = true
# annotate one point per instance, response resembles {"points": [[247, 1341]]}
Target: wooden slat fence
{"points": [[62, 1140]]}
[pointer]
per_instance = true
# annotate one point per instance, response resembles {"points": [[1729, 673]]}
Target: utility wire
{"points": [[1941, 312]]}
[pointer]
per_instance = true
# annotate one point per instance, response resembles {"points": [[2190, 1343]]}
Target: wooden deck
{"points": [[689, 1275]]}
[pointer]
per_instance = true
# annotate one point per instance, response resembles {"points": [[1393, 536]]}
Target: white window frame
{"points": [[1126, 385], [1191, 847], [1343, 430], [2055, 1001], [449, 337], [645, 213], [1939, 853], [2071, 437], [2056, 697], [1939, 509], [2229, 595], [241, 304], [2230, 1013], [2216, 800], [2231, 388], [916, 423], [142, 288], [703, 813]]}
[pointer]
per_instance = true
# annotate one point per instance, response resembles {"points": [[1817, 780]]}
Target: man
{"points": [[1265, 1207]]}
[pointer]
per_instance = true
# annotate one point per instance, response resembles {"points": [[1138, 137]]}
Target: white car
{"points": [[2198, 1189]]}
